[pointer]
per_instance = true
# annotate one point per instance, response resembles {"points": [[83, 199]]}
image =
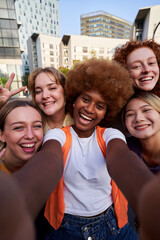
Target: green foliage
{"points": [[3, 81], [25, 79], [64, 70]]}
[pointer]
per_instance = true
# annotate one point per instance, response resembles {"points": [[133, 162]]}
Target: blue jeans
{"points": [[102, 227]]}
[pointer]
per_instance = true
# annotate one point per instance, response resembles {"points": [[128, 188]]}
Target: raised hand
{"points": [[6, 93]]}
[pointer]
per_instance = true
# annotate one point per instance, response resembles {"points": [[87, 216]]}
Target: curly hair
{"points": [[122, 52], [107, 77], [50, 71]]}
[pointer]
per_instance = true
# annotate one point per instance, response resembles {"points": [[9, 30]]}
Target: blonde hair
{"points": [[150, 98]]}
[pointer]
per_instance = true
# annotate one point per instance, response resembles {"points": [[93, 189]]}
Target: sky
{"points": [[71, 10]]}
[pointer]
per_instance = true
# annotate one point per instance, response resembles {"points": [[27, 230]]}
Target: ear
{"points": [[2, 138], [73, 104]]}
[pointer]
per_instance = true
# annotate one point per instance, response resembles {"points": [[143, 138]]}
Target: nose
{"points": [[45, 94], [145, 68], [89, 108], [29, 133], [138, 117]]}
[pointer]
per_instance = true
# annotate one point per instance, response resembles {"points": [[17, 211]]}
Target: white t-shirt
{"points": [[87, 188]]}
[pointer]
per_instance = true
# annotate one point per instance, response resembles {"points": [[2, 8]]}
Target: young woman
{"points": [[142, 119], [21, 133], [81, 207], [32, 179], [142, 60], [47, 89]]}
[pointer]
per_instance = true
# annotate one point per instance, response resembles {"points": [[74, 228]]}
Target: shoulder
{"points": [[112, 133], [55, 134]]}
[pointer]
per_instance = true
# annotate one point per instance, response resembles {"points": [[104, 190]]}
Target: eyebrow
{"points": [[49, 84], [148, 105], [138, 60], [14, 123]]}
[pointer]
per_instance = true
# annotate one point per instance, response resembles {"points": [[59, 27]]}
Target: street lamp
{"points": [[155, 30]]}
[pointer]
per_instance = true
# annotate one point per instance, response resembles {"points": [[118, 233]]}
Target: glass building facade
{"points": [[10, 55], [102, 24]]}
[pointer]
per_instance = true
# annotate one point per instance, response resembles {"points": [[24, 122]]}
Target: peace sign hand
{"points": [[6, 93]]}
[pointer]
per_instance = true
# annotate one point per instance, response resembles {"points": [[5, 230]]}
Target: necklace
{"points": [[3, 161]]}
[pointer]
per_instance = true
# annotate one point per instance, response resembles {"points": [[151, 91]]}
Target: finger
{"points": [[15, 91], [10, 80]]}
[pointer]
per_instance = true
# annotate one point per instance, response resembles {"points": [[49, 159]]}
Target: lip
{"points": [[46, 104], [146, 79], [142, 127], [84, 119], [28, 147]]}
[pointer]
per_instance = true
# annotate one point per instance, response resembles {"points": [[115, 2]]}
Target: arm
{"points": [[15, 221], [5, 93], [127, 170], [149, 211], [39, 177]]}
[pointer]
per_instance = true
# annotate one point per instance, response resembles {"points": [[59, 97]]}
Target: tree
{"points": [[64, 70], [3, 81], [25, 80]]}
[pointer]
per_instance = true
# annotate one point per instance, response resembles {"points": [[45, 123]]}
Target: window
{"points": [[101, 50], [85, 49]]}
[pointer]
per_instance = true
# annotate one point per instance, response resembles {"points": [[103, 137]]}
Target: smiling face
{"points": [[143, 67], [49, 95], [89, 109], [141, 119], [23, 134]]}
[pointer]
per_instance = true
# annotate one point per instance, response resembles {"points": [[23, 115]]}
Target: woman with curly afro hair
{"points": [[142, 60], [87, 203]]}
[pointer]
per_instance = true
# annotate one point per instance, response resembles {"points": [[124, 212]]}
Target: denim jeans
{"points": [[102, 227]]}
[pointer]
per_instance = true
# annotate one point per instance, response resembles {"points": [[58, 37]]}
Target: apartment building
{"points": [[10, 55], [147, 24], [43, 51], [38, 16], [48, 51], [103, 24]]}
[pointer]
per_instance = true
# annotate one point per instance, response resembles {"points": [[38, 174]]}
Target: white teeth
{"points": [[140, 127], [46, 104], [85, 117], [146, 79], [29, 145]]}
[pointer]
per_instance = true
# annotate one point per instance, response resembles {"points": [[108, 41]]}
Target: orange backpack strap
{"points": [[120, 202], [55, 207]]}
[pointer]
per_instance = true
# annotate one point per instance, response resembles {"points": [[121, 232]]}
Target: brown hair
{"points": [[8, 107], [59, 77], [105, 76]]}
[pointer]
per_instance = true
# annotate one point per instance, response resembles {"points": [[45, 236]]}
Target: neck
{"points": [[56, 121], [7, 166], [11, 163], [151, 151]]}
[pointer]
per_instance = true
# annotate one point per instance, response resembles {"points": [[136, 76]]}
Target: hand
{"points": [[6, 93]]}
